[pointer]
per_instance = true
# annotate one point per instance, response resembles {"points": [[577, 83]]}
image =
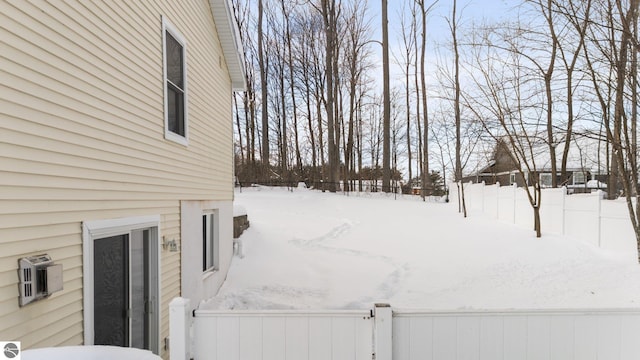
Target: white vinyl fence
{"points": [[385, 334], [513, 335], [584, 217]]}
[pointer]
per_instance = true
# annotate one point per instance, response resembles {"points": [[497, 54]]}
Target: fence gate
{"points": [[295, 335]]}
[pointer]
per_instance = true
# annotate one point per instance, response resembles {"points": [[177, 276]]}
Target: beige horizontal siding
{"points": [[82, 138], [170, 271]]}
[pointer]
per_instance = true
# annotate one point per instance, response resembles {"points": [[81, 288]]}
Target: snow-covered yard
{"points": [[312, 250]]}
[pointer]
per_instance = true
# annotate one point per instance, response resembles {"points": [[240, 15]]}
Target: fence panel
{"points": [[266, 335], [534, 335], [552, 210], [582, 218], [416, 335], [490, 200], [523, 211], [616, 231], [506, 203]]}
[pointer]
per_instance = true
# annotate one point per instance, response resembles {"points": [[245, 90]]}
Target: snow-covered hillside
{"points": [[312, 250]]}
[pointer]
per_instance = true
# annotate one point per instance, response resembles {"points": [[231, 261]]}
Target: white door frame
{"points": [[98, 229]]}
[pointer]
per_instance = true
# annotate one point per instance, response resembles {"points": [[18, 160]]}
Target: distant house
{"points": [[503, 170], [116, 161]]}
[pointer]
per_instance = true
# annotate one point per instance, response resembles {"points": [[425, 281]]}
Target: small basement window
{"points": [[210, 241]]}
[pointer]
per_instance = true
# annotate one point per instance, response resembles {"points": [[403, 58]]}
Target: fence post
{"points": [[497, 192], [599, 193], [483, 195], [564, 209], [515, 190], [383, 342], [179, 328]]}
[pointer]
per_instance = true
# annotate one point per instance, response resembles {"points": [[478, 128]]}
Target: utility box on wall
{"points": [[39, 278]]}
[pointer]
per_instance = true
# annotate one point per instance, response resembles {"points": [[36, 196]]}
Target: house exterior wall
{"points": [[196, 284], [82, 138]]}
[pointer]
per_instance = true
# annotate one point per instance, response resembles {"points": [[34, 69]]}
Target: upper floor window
{"points": [[176, 124]]}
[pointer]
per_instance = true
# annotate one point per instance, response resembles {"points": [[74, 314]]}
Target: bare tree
{"points": [[263, 87], [453, 25], [329, 15], [408, 28], [503, 104], [386, 151], [287, 15], [356, 39], [424, 11], [622, 133], [576, 15]]}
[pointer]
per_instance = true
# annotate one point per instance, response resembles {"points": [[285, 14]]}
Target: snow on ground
{"points": [[96, 352], [311, 250]]}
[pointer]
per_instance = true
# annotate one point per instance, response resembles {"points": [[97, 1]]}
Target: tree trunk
{"points": [[263, 86], [386, 148], [292, 90], [235, 103], [426, 179], [458, 177], [328, 14]]}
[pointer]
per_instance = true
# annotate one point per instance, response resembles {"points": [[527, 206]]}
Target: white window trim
{"points": [[584, 178], [169, 135], [97, 229], [215, 215]]}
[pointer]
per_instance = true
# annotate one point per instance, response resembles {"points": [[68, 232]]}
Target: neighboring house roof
{"points": [[585, 153], [230, 40]]}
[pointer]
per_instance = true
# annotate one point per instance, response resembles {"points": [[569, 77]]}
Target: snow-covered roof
{"points": [[585, 153]]}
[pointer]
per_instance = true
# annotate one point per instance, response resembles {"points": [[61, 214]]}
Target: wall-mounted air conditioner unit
{"points": [[39, 278]]}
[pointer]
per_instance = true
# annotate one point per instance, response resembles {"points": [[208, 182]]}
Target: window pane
{"points": [[212, 237], [139, 290], [175, 109], [208, 242], [545, 179], [174, 61], [204, 242], [111, 291]]}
